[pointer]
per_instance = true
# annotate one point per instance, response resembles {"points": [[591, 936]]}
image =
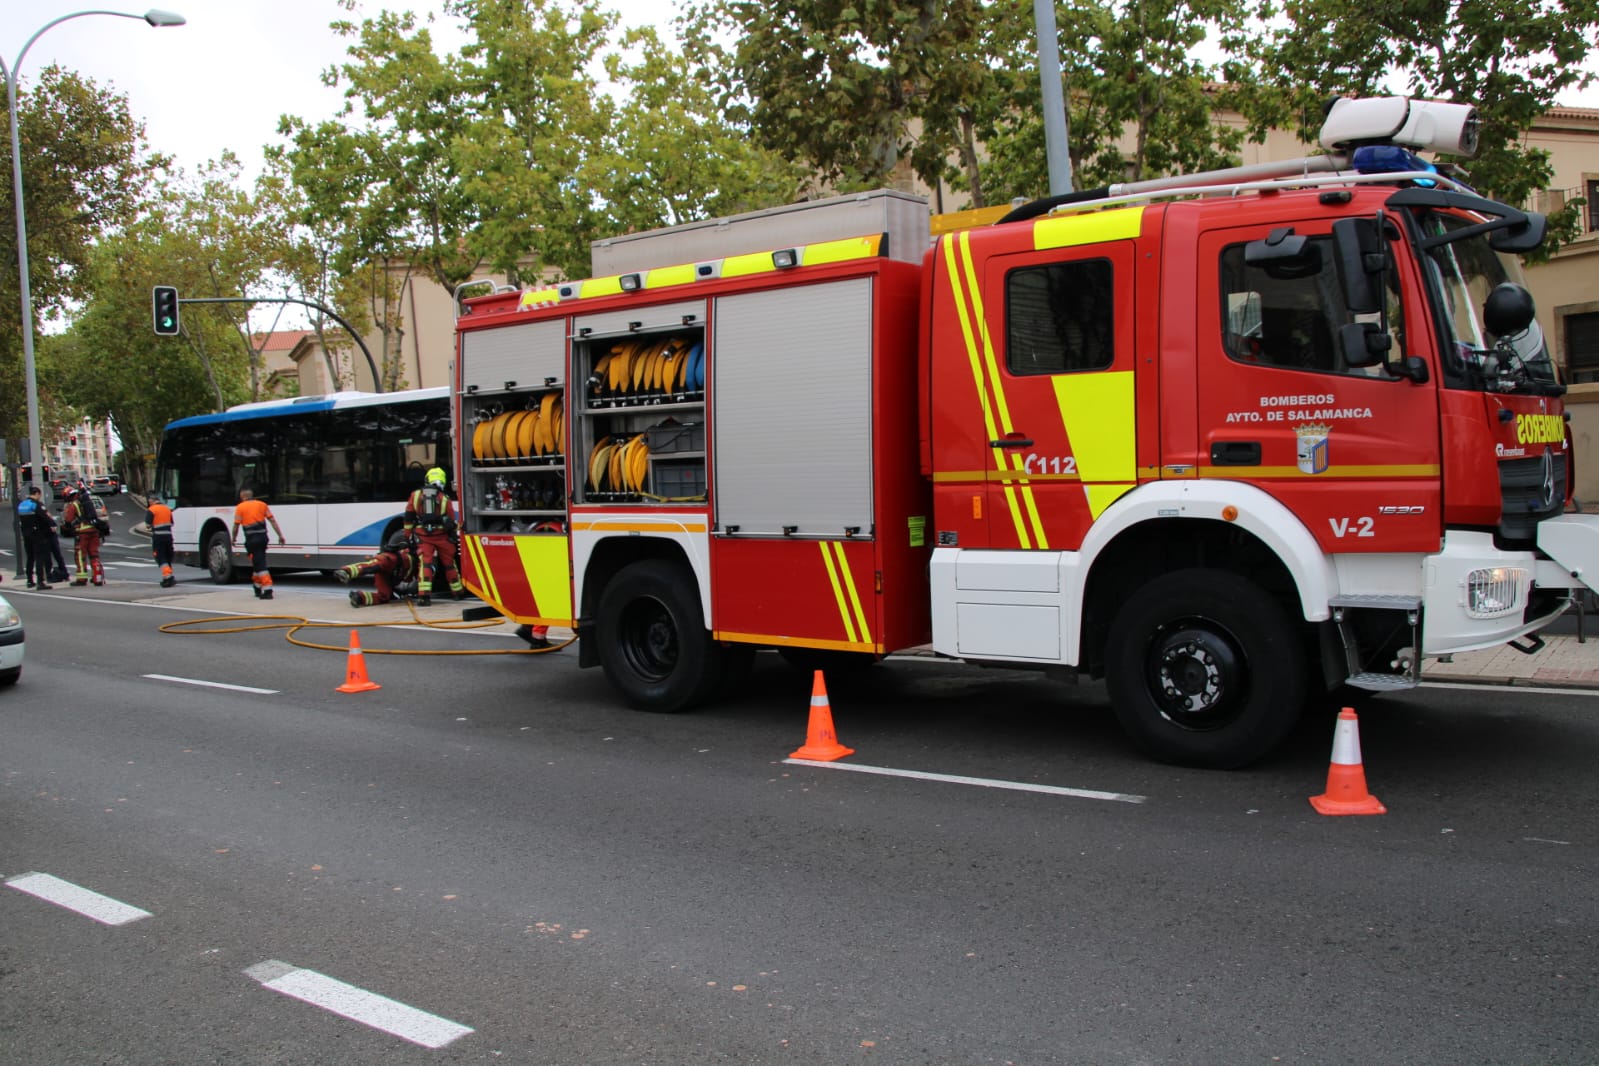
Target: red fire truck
{"points": [[1223, 439]]}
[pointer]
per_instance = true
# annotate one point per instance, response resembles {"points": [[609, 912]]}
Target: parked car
{"points": [[106, 485], [10, 643]]}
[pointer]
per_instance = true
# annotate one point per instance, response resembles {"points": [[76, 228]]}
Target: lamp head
{"points": [[158, 18]]}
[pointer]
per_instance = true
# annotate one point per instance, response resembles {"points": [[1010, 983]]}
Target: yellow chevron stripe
{"points": [[854, 593], [841, 250], [485, 572], [546, 563], [838, 593], [1003, 457], [662, 277], [1097, 410], [1066, 231], [953, 270]]}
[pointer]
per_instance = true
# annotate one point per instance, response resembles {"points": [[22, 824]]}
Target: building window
{"points": [[1591, 209], [1582, 347]]}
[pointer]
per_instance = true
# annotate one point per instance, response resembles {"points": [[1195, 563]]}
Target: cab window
{"points": [[1060, 317], [1290, 321]]}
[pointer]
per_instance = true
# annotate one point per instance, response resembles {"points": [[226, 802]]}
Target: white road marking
{"points": [[212, 684], [66, 894], [984, 782], [357, 1004]]}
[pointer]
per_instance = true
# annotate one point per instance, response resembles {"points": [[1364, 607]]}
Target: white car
{"points": [[10, 643]]}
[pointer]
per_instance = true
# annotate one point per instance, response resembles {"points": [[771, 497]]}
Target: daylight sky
{"points": [[222, 80]]}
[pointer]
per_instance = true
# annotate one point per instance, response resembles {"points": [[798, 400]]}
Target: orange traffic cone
{"points": [[1346, 776], [355, 679], [821, 743]]}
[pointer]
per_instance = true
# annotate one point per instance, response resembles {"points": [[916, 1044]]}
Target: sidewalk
{"points": [[1563, 662]]}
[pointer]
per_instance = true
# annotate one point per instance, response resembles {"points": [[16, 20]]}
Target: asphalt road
{"points": [[490, 843]]}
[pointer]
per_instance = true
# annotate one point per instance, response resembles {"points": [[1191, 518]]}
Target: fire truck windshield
{"points": [[1463, 272]]}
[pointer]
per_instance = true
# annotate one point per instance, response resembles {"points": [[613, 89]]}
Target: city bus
{"points": [[336, 471]]}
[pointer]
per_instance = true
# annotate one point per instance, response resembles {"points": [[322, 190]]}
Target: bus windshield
{"points": [[336, 471], [1463, 272]]}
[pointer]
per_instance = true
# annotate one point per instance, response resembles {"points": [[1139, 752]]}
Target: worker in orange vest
{"points": [[252, 516], [158, 517]]}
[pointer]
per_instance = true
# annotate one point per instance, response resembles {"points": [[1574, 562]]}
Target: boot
{"points": [[168, 582], [266, 594], [526, 633], [458, 594], [356, 599], [424, 600], [344, 574]]}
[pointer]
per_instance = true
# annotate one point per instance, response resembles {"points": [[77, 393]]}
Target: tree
{"points": [[858, 88], [671, 155], [1509, 58], [85, 165]]}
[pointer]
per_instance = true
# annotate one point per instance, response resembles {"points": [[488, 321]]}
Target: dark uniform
{"points": [[429, 517], [35, 523], [391, 569]]}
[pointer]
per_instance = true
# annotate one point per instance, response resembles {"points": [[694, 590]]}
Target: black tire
{"points": [[1205, 669], [219, 558], [652, 638], [9, 677]]}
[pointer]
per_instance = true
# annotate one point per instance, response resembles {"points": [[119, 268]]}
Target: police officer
{"points": [[394, 566], [158, 517], [35, 523], [429, 517], [252, 516]]}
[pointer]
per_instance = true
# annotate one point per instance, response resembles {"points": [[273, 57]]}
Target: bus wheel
{"points": [[1205, 669], [652, 637], [219, 558]]}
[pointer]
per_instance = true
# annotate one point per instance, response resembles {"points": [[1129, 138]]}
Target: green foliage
{"points": [[1509, 58], [84, 168]]}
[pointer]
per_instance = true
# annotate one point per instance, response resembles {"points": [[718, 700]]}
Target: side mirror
{"points": [[1508, 310], [1364, 344], [1362, 260], [1284, 255]]}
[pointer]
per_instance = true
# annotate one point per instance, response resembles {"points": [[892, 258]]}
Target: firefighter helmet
{"points": [[436, 476]]}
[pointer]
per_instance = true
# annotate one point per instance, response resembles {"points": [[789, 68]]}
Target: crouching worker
{"points": [[392, 570]]}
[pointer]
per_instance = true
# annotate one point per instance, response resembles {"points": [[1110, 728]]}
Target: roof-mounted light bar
{"points": [[1425, 125]]}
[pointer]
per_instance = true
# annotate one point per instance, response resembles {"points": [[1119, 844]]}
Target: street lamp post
{"points": [[155, 18]]}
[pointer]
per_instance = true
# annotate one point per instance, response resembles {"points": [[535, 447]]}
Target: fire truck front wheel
{"points": [[652, 637], [1205, 668]]}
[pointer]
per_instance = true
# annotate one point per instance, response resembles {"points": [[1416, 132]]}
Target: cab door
{"points": [[1354, 452], [1065, 442]]}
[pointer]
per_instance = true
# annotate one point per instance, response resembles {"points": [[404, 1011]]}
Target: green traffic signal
{"points": [[164, 308]]}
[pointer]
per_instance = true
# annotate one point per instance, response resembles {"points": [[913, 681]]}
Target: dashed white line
{"points": [[52, 889], [211, 684], [357, 1004], [983, 782]]}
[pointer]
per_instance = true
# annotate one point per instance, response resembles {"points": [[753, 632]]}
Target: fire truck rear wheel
{"points": [[1205, 669], [652, 638]]}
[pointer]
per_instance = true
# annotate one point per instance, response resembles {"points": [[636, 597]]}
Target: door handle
{"points": [[1012, 440], [1235, 453]]}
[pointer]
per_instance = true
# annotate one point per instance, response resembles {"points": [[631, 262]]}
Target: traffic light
{"points": [[164, 303]]}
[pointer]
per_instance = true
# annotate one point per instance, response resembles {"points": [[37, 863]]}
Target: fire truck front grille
{"points": [[1530, 490]]}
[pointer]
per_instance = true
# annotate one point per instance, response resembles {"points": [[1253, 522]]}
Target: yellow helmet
{"points": [[436, 477]]}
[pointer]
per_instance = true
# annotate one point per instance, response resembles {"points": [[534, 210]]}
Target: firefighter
{"points": [[84, 524], [34, 521], [252, 515], [429, 517], [392, 569], [158, 516]]}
